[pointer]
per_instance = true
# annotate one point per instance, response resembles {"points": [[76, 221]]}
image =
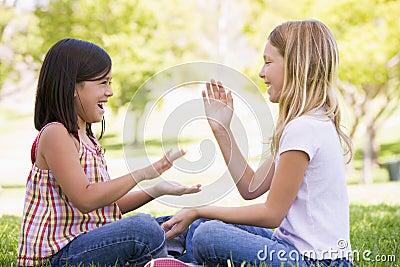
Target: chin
{"points": [[272, 99], [96, 120]]}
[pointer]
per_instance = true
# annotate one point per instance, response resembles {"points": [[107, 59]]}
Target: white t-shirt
{"points": [[317, 223]]}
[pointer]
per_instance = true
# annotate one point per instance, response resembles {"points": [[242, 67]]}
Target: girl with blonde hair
{"points": [[305, 179]]}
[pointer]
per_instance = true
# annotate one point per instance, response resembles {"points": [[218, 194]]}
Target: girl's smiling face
{"points": [[90, 98], [272, 72]]}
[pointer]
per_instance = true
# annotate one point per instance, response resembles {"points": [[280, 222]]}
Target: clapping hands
{"points": [[218, 106]]}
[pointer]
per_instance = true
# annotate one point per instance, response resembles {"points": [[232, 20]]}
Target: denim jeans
{"points": [[188, 256], [134, 240], [176, 246], [214, 242]]}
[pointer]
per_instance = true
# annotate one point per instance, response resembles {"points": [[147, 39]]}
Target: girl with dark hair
{"points": [[73, 210]]}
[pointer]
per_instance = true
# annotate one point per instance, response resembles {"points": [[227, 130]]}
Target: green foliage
{"points": [[390, 150], [144, 37], [135, 34], [7, 14], [364, 59], [18, 42], [368, 39]]}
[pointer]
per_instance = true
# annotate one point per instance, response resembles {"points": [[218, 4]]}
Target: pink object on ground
{"points": [[166, 262]]}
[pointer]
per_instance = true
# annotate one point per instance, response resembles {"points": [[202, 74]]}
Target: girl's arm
{"points": [[285, 185], [219, 109], [250, 184], [58, 153]]}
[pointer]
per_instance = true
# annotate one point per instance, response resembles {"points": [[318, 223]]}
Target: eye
{"points": [[106, 82]]}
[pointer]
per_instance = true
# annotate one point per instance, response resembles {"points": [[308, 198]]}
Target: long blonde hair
{"points": [[310, 74]]}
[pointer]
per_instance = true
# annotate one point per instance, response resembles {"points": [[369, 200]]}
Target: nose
{"points": [[109, 92], [261, 74]]}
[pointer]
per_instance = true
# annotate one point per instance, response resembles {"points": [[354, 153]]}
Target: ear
{"points": [[77, 86]]}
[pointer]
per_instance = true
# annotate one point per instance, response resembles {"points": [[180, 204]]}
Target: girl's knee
{"points": [[145, 227], [206, 231], [151, 236], [148, 223], [208, 239]]}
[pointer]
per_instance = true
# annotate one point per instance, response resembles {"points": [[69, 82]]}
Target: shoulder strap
{"points": [[35, 143]]}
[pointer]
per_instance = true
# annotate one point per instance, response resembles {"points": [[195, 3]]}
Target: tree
{"points": [[367, 36], [7, 14], [370, 51], [15, 56], [141, 40]]}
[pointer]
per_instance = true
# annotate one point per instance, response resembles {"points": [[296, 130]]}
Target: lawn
{"points": [[375, 226], [375, 235]]}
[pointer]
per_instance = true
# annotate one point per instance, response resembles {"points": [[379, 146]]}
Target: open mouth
{"points": [[101, 105]]}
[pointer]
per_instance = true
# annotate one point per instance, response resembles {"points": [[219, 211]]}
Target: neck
{"points": [[82, 127]]}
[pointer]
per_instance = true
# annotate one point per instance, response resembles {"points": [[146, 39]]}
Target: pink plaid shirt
{"points": [[50, 221]]}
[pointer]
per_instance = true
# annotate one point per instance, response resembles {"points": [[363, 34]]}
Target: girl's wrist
{"points": [[137, 176], [221, 132], [153, 192], [196, 213]]}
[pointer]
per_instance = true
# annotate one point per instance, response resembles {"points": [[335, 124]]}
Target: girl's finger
{"points": [[175, 156], [229, 99], [169, 235], [168, 224], [209, 91], [193, 189], [215, 89], [203, 94], [222, 92]]}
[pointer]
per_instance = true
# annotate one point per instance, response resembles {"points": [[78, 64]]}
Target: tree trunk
{"points": [[136, 128], [368, 153]]}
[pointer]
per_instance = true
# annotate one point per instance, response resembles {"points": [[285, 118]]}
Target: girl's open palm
{"points": [[218, 106], [175, 189]]}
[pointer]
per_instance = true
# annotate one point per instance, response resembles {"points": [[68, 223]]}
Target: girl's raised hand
{"points": [[157, 168], [218, 106]]}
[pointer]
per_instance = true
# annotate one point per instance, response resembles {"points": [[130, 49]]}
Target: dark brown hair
{"points": [[68, 62]]}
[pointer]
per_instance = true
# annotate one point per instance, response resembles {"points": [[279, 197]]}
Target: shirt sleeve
{"points": [[300, 134]]}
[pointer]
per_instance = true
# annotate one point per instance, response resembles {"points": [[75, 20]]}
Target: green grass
{"points": [[9, 231], [375, 235]]}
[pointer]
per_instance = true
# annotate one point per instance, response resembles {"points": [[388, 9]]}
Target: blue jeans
{"points": [[214, 242], [189, 253], [134, 240]]}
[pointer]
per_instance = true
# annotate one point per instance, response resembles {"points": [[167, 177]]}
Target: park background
{"points": [[146, 37]]}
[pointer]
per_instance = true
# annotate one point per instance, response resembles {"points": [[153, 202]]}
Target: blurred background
{"points": [[145, 37]]}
